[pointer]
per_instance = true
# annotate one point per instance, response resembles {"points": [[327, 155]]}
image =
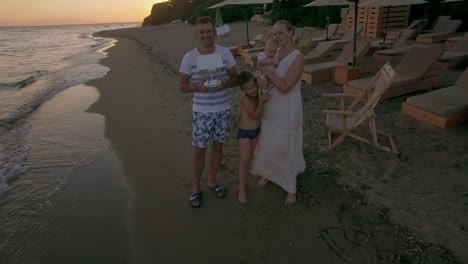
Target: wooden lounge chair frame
{"points": [[447, 97], [347, 120]]}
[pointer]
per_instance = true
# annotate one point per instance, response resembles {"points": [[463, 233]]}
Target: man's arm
{"points": [[186, 86]]}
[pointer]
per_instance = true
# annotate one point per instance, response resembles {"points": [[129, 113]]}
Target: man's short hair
{"points": [[205, 20]]}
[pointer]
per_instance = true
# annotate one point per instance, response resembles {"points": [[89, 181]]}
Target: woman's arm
{"points": [[293, 75]]}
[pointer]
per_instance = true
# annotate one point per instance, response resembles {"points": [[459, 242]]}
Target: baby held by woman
{"points": [[269, 59]]}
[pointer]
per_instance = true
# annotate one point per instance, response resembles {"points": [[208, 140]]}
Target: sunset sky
{"points": [[62, 12]]}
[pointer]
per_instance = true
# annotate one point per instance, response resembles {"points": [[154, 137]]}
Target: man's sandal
{"points": [[195, 200], [219, 190]]}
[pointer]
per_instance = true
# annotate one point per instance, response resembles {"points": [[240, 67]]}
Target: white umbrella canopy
{"points": [[327, 3], [388, 4], [243, 3], [221, 4], [450, 1], [240, 2], [392, 2]]}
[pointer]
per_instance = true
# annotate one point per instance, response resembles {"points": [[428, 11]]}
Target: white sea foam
{"points": [[45, 60]]}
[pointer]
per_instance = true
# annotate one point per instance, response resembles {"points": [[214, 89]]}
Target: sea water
{"points": [[36, 63], [45, 131]]}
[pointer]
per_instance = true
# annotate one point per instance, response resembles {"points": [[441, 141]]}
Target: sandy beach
{"points": [[356, 204]]}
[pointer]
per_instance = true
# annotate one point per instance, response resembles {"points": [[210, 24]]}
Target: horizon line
{"points": [[74, 24]]}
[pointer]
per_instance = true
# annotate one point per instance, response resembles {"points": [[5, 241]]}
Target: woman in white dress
{"points": [[278, 156]]}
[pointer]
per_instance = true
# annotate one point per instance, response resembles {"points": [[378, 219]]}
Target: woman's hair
{"points": [[288, 25], [244, 77]]}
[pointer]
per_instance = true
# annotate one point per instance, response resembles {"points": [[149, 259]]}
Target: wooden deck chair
{"points": [[455, 57], [346, 121], [445, 31], [412, 74], [313, 73], [446, 107], [416, 25]]}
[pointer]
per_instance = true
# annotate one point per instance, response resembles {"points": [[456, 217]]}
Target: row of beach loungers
{"points": [[444, 107]]}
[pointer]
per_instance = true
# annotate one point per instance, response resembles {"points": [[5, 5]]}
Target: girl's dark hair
{"points": [[244, 77]]}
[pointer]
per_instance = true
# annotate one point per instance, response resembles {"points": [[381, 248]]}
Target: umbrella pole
{"points": [[328, 22], [386, 25], [355, 30], [246, 24]]}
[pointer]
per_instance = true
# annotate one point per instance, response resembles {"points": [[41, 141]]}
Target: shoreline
{"points": [[351, 204]]}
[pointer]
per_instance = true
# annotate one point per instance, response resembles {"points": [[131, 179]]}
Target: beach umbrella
{"points": [[243, 3], [450, 1], [388, 4], [328, 3]]}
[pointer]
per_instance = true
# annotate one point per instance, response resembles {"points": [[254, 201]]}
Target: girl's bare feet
{"points": [[290, 199], [262, 182]]}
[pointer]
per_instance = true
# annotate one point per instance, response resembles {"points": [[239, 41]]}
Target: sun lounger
{"points": [[347, 37], [313, 73], [445, 31], [450, 42], [395, 54], [256, 41], [437, 24], [446, 107], [256, 45], [416, 25], [305, 36], [359, 116], [324, 51], [455, 57], [412, 74]]}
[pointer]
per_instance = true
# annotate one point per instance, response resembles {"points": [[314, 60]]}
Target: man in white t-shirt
{"points": [[211, 107]]}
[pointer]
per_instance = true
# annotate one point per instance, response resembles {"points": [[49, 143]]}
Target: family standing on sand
{"points": [[270, 129]]}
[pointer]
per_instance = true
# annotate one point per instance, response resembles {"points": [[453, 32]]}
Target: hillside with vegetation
{"points": [[292, 10]]}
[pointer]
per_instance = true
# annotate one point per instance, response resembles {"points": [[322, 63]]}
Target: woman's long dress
{"points": [[278, 156]]}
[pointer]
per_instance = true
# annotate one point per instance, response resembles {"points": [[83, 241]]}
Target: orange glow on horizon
{"points": [[67, 12]]}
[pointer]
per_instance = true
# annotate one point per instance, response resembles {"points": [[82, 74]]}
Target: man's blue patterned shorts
{"points": [[210, 128]]}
